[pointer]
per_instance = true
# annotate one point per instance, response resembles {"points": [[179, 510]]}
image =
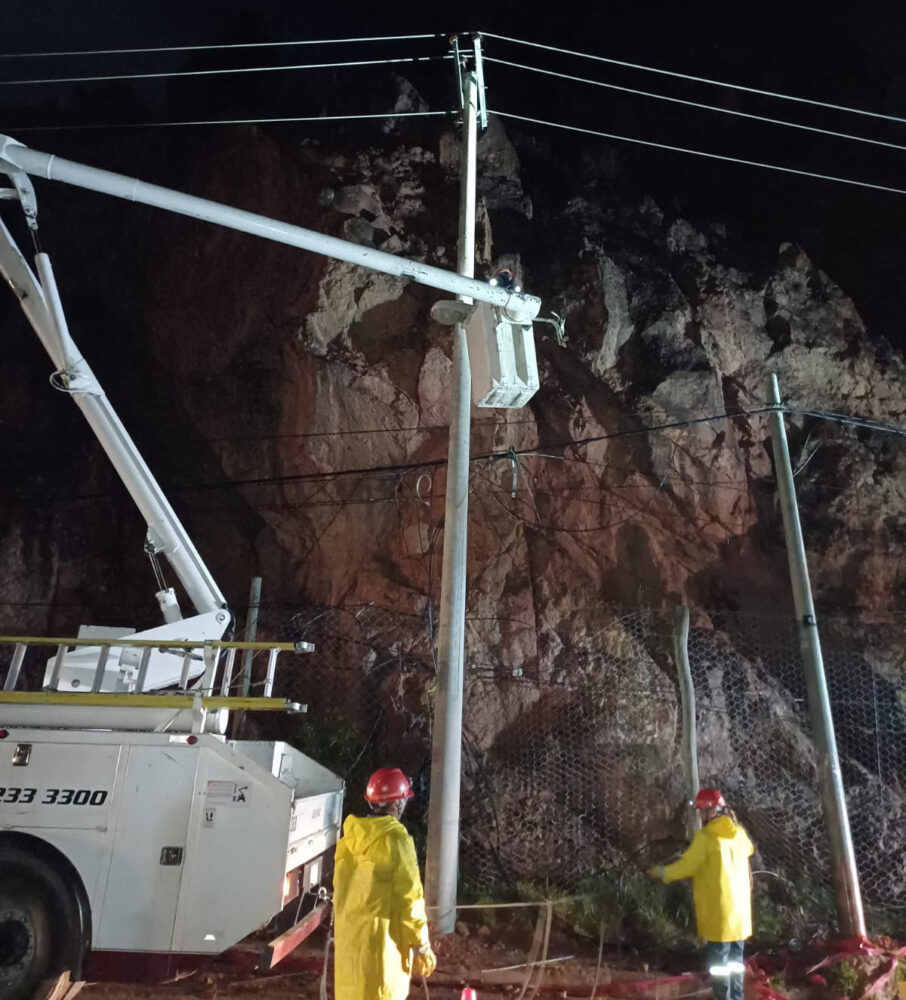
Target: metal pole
{"points": [[687, 700], [251, 631], [850, 915], [442, 864]]}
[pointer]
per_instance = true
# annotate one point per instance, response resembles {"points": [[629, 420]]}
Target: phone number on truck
{"points": [[54, 796]]}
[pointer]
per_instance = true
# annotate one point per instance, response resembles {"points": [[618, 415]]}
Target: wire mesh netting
{"points": [[563, 778], [572, 762]]}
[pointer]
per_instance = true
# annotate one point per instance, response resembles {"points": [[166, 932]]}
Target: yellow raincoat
{"points": [[717, 861], [379, 909]]}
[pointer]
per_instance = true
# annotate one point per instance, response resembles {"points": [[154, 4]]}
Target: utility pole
{"points": [[442, 863], [850, 916]]}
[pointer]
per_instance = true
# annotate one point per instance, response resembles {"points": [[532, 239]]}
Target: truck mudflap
{"points": [[277, 949]]}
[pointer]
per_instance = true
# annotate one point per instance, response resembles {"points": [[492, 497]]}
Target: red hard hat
{"points": [[387, 785], [709, 798]]}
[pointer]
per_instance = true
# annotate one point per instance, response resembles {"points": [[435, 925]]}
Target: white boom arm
{"points": [[40, 301], [41, 304], [15, 158]]}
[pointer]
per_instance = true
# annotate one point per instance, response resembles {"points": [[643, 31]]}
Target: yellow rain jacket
{"points": [[379, 909], [717, 861]]}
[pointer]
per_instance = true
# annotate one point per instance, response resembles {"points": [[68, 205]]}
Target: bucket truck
{"points": [[135, 838]]}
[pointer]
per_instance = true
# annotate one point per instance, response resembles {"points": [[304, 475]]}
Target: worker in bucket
{"points": [[717, 861], [380, 925]]}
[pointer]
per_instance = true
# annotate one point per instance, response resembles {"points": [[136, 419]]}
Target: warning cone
{"points": [[468, 994]]}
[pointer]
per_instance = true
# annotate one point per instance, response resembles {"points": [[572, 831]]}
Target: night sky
{"points": [[842, 54]]}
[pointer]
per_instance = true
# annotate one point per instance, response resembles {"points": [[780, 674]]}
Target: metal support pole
{"points": [[12, 678], [442, 864], [251, 630], [271, 673], [687, 701], [850, 915]]}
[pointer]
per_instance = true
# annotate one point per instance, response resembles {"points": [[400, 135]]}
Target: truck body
{"points": [[179, 847]]}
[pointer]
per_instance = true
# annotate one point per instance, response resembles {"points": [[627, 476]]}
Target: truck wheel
{"points": [[26, 937]]}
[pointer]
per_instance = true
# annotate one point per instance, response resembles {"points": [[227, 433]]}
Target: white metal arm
{"points": [[41, 304], [14, 157]]}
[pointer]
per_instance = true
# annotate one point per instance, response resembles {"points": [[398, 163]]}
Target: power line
{"points": [[700, 152], [699, 79], [694, 104], [842, 418], [222, 72], [526, 452], [210, 48], [231, 121], [491, 423]]}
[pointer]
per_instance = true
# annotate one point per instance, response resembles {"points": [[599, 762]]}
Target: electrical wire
{"points": [[695, 104], [231, 121], [842, 418], [211, 48], [223, 72], [699, 152], [535, 452], [413, 429], [698, 79]]}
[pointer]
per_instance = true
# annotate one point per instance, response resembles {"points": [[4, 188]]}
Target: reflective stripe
{"points": [[720, 971], [736, 967]]}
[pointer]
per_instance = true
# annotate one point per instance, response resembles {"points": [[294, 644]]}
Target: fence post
{"points": [[687, 700], [251, 633], [850, 915]]}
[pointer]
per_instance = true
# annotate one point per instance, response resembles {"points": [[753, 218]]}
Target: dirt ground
{"points": [[522, 959], [493, 963]]}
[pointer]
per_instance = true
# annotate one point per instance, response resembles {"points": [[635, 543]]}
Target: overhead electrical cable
{"points": [[842, 418], [695, 104], [699, 152], [211, 48], [229, 121], [535, 451], [223, 72], [490, 423], [698, 79]]}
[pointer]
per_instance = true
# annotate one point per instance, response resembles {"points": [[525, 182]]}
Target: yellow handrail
{"points": [[287, 647], [210, 702]]}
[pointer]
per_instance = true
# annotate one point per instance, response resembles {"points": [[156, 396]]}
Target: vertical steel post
{"points": [[12, 678], [251, 631], [687, 701], [442, 864], [850, 915]]}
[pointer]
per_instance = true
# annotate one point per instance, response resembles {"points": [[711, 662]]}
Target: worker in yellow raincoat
{"points": [[717, 861], [380, 926]]}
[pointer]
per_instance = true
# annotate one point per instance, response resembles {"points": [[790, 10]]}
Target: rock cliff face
{"points": [[315, 376], [296, 408]]}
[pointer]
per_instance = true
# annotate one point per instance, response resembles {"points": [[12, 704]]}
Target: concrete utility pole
{"points": [[850, 915], [442, 863]]}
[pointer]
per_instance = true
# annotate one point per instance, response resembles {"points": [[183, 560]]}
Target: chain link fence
{"points": [[572, 763]]}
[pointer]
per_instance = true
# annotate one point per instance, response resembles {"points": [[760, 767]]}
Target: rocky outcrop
{"points": [[306, 411]]}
